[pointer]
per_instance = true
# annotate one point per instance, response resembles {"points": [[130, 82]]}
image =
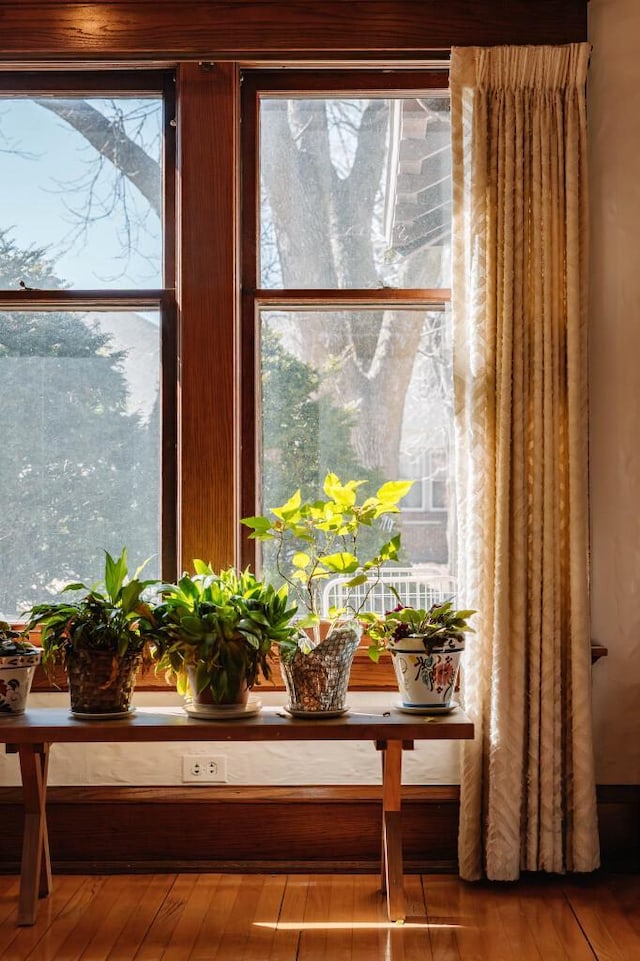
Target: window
{"points": [[342, 359], [347, 204], [86, 329]]}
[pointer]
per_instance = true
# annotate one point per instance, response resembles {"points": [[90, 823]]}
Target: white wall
{"points": [[614, 134]]}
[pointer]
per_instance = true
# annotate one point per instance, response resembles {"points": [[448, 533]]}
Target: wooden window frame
{"points": [[336, 82], [113, 84]]}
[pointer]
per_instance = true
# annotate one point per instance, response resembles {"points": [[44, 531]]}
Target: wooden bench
{"points": [[31, 735]]}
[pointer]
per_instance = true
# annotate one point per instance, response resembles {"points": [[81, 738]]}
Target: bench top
{"points": [[49, 725]]}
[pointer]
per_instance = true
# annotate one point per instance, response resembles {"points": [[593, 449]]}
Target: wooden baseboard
{"points": [[619, 825], [268, 829], [275, 828]]}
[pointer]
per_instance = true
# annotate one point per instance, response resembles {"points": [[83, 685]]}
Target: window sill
{"points": [[365, 675]]}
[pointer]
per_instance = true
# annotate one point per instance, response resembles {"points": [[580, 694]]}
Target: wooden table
{"points": [[31, 735]]}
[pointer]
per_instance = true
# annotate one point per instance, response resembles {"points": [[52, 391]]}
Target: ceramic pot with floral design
{"points": [[18, 662], [427, 671]]}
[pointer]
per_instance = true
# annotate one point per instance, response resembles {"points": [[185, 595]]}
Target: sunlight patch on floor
{"points": [[348, 925]]}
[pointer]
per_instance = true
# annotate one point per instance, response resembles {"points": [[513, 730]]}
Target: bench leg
{"points": [[35, 871], [392, 875]]}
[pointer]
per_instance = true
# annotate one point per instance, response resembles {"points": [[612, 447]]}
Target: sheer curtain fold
{"points": [[519, 312]]}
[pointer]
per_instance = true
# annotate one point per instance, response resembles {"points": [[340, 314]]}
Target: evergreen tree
{"points": [[76, 470]]}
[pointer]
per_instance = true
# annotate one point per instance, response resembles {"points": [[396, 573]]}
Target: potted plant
{"points": [[100, 638], [215, 634], [426, 647], [18, 661], [315, 540]]}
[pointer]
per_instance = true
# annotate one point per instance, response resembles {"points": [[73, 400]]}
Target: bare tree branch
{"points": [[110, 139]]}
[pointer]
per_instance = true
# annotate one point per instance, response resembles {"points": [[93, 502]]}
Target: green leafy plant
{"points": [[112, 616], [434, 626], [13, 643], [318, 539], [220, 629]]}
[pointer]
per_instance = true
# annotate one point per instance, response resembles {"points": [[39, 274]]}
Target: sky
{"points": [[43, 164]]}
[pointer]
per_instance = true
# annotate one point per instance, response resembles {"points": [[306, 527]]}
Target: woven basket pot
{"points": [[318, 682], [101, 682]]}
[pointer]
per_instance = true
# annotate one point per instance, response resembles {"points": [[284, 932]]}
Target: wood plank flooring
{"points": [[189, 917]]}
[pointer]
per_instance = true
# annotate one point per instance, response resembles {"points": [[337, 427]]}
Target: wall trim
{"points": [[125, 30], [325, 828]]}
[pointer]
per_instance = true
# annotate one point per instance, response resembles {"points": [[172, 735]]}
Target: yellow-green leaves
{"points": [[342, 562], [318, 538], [290, 510], [343, 495], [390, 494], [300, 559]]}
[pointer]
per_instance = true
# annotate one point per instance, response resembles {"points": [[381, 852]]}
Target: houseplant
{"points": [[426, 647], [215, 633], [18, 661], [315, 540], [100, 638]]}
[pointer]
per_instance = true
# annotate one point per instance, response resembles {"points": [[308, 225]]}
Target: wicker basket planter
{"points": [[101, 682]]}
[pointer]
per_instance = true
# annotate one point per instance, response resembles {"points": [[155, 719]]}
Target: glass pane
{"points": [[355, 193], [81, 187], [369, 395], [80, 441]]}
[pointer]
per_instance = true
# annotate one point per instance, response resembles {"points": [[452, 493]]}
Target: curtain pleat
{"points": [[520, 371]]}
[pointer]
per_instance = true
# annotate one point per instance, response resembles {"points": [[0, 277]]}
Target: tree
{"points": [[323, 162], [76, 471], [324, 202], [304, 434], [322, 165]]}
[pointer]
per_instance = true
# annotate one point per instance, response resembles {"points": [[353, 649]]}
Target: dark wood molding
{"points": [[619, 825], [312, 828], [120, 30], [598, 651], [208, 106]]}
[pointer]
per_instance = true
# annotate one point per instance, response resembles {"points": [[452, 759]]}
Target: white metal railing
{"points": [[417, 586]]}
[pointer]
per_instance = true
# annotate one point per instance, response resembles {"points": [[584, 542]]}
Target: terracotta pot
{"points": [[208, 698]]}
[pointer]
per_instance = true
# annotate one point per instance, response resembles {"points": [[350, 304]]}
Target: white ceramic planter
{"points": [[426, 676], [16, 675]]}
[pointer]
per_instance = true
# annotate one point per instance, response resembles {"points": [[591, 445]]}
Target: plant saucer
{"points": [[316, 715], [113, 716], [223, 712], [435, 709]]}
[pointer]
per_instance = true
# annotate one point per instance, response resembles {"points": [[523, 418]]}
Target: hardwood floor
{"points": [[189, 917]]}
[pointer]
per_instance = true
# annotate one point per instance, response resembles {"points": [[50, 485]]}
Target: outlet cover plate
{"points": [[204, 768]]}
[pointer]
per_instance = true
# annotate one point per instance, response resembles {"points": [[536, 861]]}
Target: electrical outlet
{"points": [[204, 768]]}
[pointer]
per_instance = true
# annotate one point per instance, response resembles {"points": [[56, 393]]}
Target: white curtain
{"points": [[519, 313]]}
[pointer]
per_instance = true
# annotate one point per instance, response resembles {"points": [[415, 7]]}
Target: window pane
{"points": [[367, 394], [81, 182], [355, 193], [80, 441]]}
